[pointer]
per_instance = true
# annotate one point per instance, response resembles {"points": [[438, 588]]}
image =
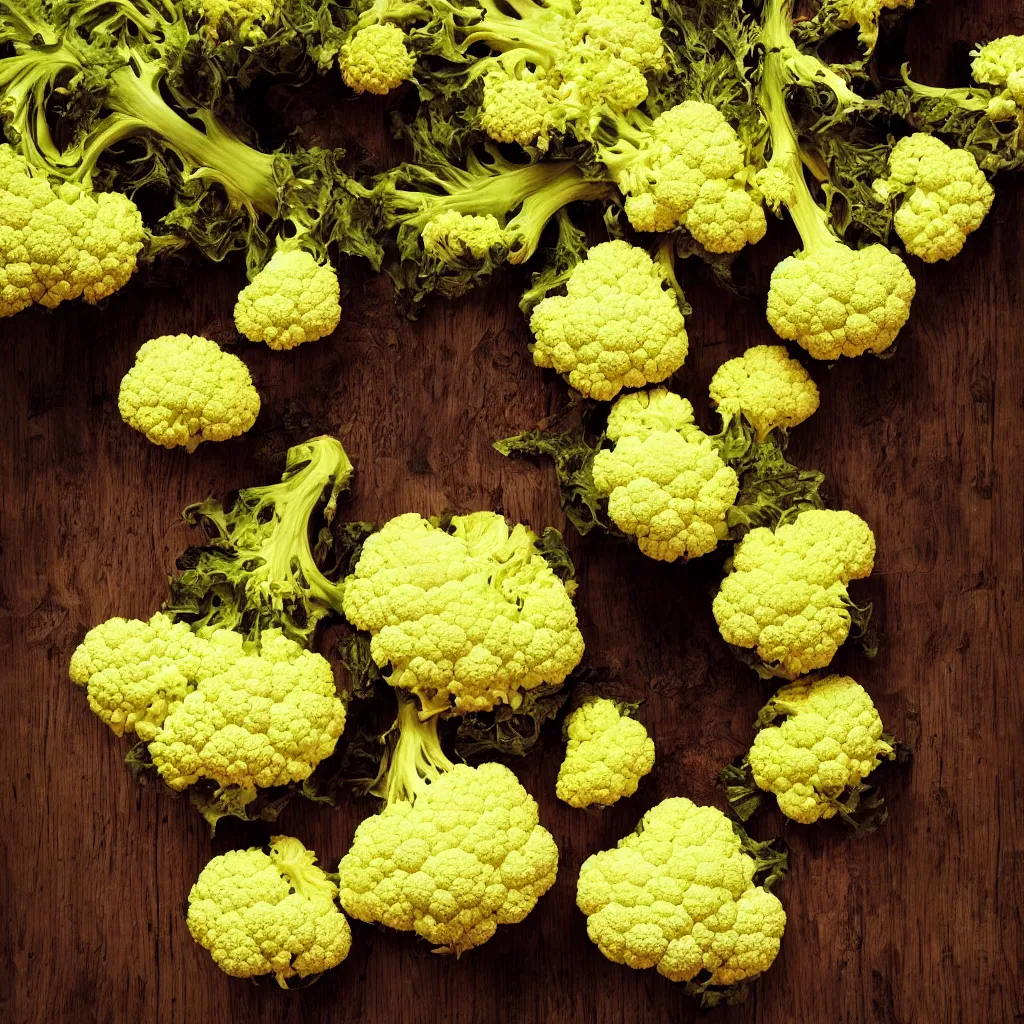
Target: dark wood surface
{"points": [[918, 924]]}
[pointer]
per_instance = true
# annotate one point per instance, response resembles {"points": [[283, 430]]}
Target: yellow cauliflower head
{"points": [[466, 855], [665, 482], [61, 241], [292, 300], [451, 236], [836, 301], [786, 596], [269, 912], [184, 390], [624, 28], [1001, 63], [466, 617], [864, 14], [376, 59], [606, 756], [679, 895], [946, 195], [830, 740], [516, 110], [767, 387], [618, 325]]}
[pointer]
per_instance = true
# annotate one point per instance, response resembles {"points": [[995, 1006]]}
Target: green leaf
{"points": [[247, 804], [771, 858], [362, 675], [551, 545], [711, 996], [861, 631], [740, 790], [508, 731]]}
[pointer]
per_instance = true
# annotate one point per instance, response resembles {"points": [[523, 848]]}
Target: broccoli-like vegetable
{"points": [[269, 911], [607, 754], [244, 715], [816, 760], [455, 852], [376, 59], [785, 595], [617, 326], [466, 617], [61, 241], [945, 196], [830, 299], [184, 390], [292, 300], [688, 894], [1000, 63], [767, 388]]}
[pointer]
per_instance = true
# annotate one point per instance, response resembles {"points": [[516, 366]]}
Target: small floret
{"points": [[665, 482], [273, 912], [680, 894], [865, 14], [1001, 63], [292, 300], [61, 241], [785, 594], [451, 236], [466, 617], [376, 59], [245, 16], [456, 851], [607, 754], [945, 195], [831, 739], [618, 325], [184, 390], [765, 386]]}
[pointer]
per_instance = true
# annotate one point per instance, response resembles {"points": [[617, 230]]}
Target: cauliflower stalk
{"points": [[465, 617], [767, 388], [618, 325], [682, 894], [184, 390], [784, 600], [686, 168], [945, 196], [455, 852], [60, 241], [243, 714], [830, 299], [607, 754], [269, 911], [816, 759]]}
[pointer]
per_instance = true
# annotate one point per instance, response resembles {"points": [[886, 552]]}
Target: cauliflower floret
{"points": [[686, 168], [772, 391], [678, 894], [607, 755], [376, 59], [469, 617], [451, 235], [243, 14], [1001, 63], [245, 715], [60, 242], [786, 592], [516, 109], [831, 739], [618, 325], [947, 196], [667, 487], [292, 300], [625, 28], [451, 858], [184, 390], [865, 14], [835, 301], [269, 913]]}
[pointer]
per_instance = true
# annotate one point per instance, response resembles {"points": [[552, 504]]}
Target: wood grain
{"points": [[919, 924]]}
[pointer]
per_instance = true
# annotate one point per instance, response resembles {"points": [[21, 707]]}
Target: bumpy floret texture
{"points": [[376, 60], [453, 235], [830, 740], [836, 301], [667, 487], [516, 110], [786, 594], [618, 325], [292, 300], [1001, 63], [626, 28], [273, 912], [184, 390], [467, 855], [213, 706], [767, 387], [606, 756], [678, 895], [689, 172], [947, 196], [243, 14], [60, 242], [865, 14], [470, 617]]}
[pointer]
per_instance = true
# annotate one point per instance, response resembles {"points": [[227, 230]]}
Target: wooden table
{"points": [[918, 924]]}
